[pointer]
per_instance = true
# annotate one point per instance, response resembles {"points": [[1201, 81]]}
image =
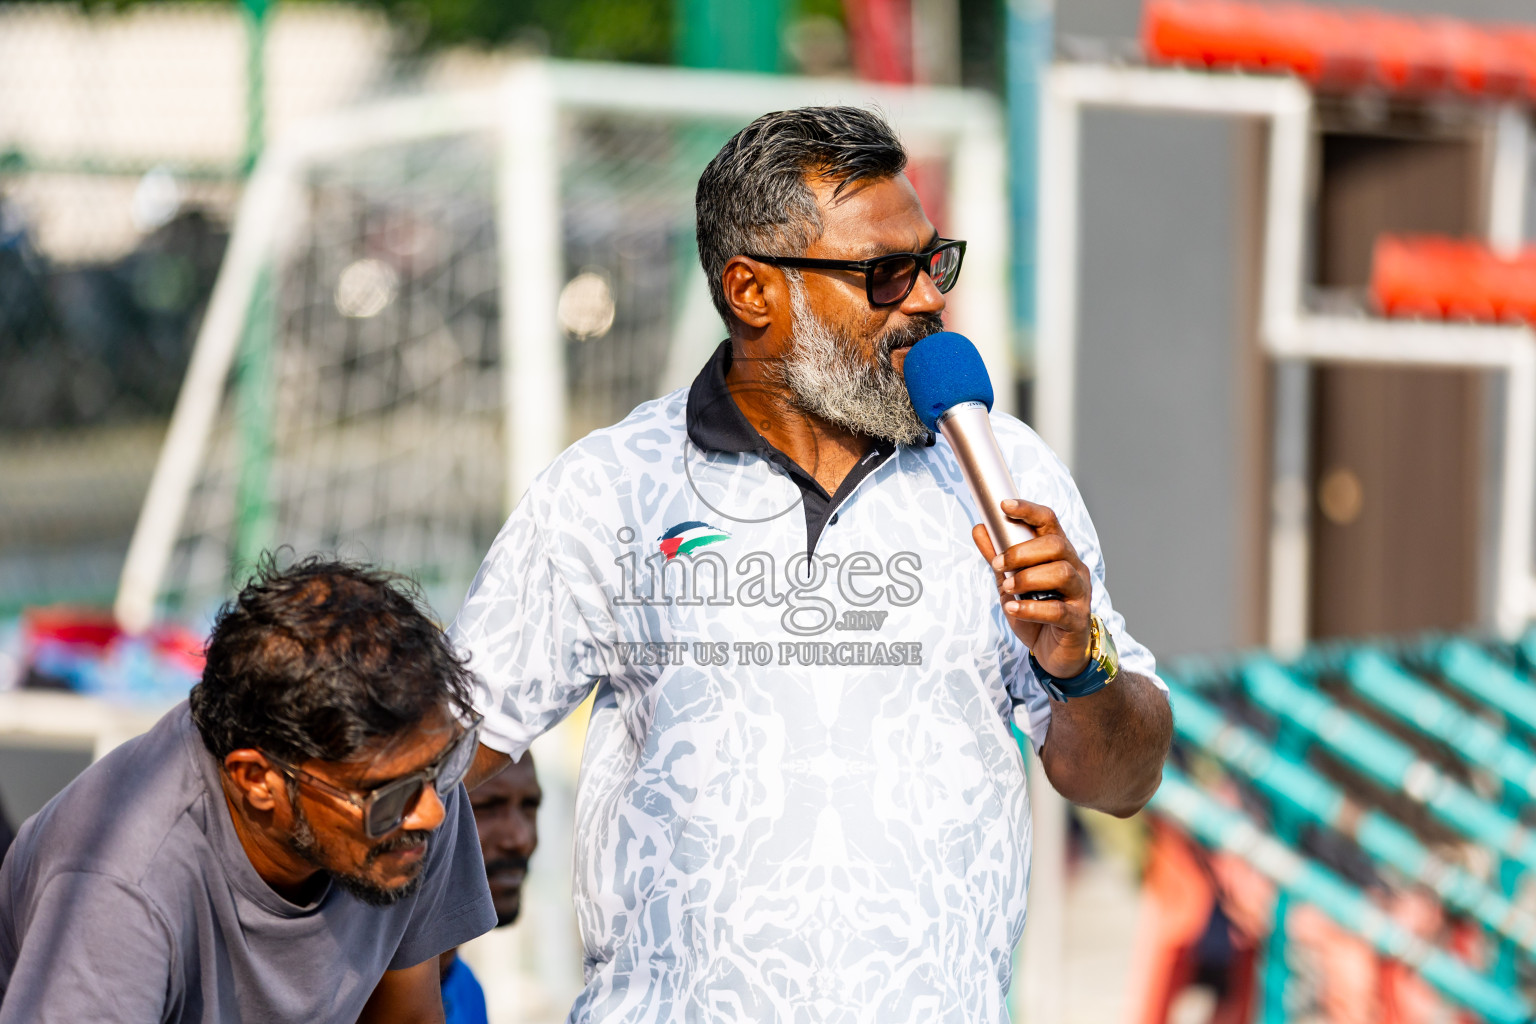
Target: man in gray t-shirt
{"points": [[293, 844]]}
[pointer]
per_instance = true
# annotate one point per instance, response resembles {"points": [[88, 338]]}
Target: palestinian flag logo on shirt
{"points": [[685, 538]]}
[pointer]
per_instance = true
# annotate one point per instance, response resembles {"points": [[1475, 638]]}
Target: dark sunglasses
{"points": [[385, 806], [888, 280]]}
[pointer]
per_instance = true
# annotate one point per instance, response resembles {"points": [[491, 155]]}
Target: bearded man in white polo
{"points": [[800, 798]]}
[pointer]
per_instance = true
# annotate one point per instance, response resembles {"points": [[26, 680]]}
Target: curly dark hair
{"points": [[321, 660], [754, 196]]}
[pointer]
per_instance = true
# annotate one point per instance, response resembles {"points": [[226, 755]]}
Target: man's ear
{"points": [[255, 777], [747, 286]]}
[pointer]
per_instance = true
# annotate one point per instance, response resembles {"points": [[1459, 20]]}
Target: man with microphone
{"points": [[800, 797]]}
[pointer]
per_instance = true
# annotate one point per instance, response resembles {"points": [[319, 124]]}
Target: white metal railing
{"points": [[1287, 330]]}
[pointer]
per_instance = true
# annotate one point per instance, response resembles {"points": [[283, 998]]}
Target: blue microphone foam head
{"points": [[942, 371]]}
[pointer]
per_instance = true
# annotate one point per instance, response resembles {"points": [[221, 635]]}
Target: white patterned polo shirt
{"points": [[800, 799]]}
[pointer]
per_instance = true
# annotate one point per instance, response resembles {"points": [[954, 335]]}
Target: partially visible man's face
{"points": [[329, 833], [845, 356], [506, 815]]}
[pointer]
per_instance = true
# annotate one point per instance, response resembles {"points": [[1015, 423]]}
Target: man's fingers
{"points": [[1062, 614], [1062, 577], [1041, 517], [1045, 564], [1042, 550], [983, 541]]}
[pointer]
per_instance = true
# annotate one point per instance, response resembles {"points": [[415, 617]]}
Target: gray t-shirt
{"points": [[129, 898]]}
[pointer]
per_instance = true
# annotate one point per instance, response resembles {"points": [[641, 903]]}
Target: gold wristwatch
{"points": [[1103, 666]]}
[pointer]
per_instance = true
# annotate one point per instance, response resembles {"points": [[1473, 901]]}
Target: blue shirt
{"points": [[463, 998]]}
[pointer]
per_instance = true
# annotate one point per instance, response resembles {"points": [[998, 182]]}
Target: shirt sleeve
{"points": [[1032, 705], [93, 949], [453, 904], [528, 640]]}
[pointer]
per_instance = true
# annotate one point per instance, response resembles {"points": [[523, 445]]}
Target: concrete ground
{"points": [[1102, 903]]}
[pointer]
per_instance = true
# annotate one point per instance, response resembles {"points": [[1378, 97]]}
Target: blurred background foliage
{"points": [[627, 30], [643, 31], [121, 162]]}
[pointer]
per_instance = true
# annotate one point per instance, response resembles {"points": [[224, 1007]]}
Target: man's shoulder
{"points": [[642, 436], [113, 822], [643, 445], [1016, 437]]}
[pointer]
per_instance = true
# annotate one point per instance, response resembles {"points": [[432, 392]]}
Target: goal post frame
{"points": [[522, 115]]}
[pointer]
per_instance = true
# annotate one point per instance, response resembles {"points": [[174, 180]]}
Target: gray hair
{"points": [[754, 196]]}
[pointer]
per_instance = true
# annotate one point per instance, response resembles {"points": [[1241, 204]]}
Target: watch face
{"points": [[1105, 652]]}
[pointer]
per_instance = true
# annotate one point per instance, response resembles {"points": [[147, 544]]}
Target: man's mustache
{"points": [[512, 862], [917, 327], [403, 841]]}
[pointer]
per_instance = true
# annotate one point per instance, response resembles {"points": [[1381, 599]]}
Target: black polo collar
{"points": [[716, 423]]}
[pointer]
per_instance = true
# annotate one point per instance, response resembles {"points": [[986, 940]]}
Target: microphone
{"points": [[952, 394]]}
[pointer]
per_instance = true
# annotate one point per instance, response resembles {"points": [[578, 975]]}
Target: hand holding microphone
{"points": [[1045, 588]]}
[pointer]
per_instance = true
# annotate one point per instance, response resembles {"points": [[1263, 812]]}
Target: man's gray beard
{"points": [[827, 377], [303, 842]]}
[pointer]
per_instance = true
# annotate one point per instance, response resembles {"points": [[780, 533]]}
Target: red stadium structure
{"points": [[1344, 49], [1452, 279]]}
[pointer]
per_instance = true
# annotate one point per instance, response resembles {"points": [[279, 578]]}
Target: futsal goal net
{"points": [[425, 299]]}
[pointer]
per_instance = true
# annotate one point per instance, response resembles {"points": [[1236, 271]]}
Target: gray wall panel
{"points": [[30, 776], [1157, 449]]}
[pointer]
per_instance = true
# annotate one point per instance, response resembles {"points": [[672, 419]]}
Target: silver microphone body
{"points": [[968, 430]]}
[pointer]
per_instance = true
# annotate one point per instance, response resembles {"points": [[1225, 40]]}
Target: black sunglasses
{"points": [[888, 280], [385, 806]]}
